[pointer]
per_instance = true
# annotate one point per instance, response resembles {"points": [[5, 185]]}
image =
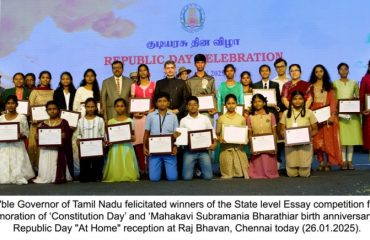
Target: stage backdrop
{"points": [[73, 35]]}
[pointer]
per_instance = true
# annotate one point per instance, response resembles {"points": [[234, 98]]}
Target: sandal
{"points": [[327, 168], [344, 166], [320, 168], [350, 166]]}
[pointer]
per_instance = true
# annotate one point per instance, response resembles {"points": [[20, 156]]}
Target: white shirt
{"points": [[92, 128], [280, 82], [67, 96], [200, 122], [81, 95]]}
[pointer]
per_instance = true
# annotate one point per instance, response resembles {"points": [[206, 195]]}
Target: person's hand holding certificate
{"points": [[322, 114], [349, 106], [49, 137], [206, 102], [39, 113], [139, 105], [71, 117], [248, 100], [270, 94], [23, 107], [297, 136], [235, 134], [9, 132], [92, 147], [200, 140], [119, 133], [160, 144], [264, 143]]}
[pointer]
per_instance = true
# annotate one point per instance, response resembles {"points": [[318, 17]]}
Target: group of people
{"points": [[175, 104]]}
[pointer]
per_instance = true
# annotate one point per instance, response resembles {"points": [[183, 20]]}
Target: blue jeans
{"points": [[190, 158], [155, 167]]}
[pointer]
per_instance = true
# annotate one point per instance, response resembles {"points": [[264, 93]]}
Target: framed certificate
{"points": [[270, 94], [139, 105], [71, 117], [119, 133], [322, 114], [90, 147], [349, 106], [239, 109], [39, 113], [160, 144], [206, 102], [248, 100], [9, 132], [235, 134], [83, 109], [367, 101], [264, 143], [49, 137], [200, 140], [23, 107], [182, 140], [297, 136]]}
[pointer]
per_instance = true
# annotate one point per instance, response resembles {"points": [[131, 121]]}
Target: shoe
{"points": [[350, 166], [344, 166]]}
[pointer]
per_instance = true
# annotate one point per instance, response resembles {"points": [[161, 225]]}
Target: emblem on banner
{"points": [[192, 17]]}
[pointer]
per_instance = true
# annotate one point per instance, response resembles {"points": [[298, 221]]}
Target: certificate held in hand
{"points": [[49, 137], [71, 117], [9, 132], [235, 134], [270, 94], [90, 148], [297, 136], [119, 133], [322, 114], [160, 144], [367, 102], [23, 107], [200, 140], [139, 105], [206, 102], [264, 143], [349, 106], [248, 100], [39, 113]]}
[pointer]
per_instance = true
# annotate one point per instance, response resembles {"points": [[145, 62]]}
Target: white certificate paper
{"points": [[235, 134], [160, 144], [9, 132], [239, 109], [119, 133], [139, 105], [248, 100], [200, 140], [263, 143], [270, 94], [322, 114], [22, 107], [206, 102], [83, 109], [91, 148], [182, 140], [367, 101], [39, 113], [71, 117], [297, 136], [49, 137], [349, 106]]}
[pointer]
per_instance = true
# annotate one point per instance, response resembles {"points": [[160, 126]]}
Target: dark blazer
{"points": [[59, 98], [272, 85]]}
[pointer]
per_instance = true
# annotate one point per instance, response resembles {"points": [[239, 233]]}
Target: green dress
{"points": [[224, 90], [121, 164], [350, 129]]}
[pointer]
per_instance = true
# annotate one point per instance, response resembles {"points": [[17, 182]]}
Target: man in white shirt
{"points": [[280, 68], [194, 122]]}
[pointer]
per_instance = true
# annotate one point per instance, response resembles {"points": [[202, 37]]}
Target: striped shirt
{"points": [[90, 128]]}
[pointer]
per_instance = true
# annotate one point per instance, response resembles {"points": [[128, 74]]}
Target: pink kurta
{"points": [[365, 89]]}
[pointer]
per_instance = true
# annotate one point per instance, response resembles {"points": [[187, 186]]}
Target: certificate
{"points": [[9, 132], [71, 117], [183, 138], [235, 134], [83, 109], [367, 101], [297, 136], [206, 102], [91, 147], [239, 109], [248, 100], [23, 107], [322, 114], [160, 144], [349, 106], [139, 105], [39, 113], [49, 137], [264, 143], [270, 94], [119, 133], [200, 140]]}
